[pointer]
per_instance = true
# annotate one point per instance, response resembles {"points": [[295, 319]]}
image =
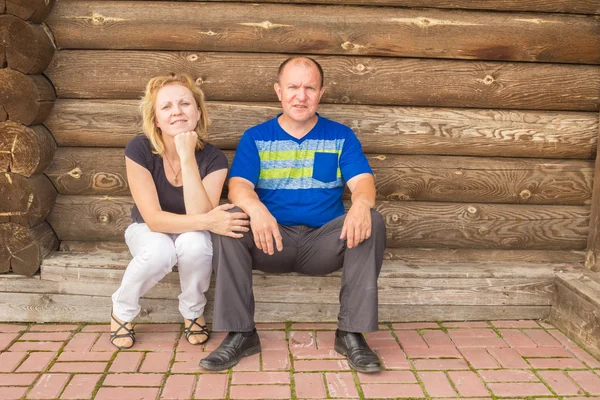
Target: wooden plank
{"points": [[556, 6], [94, 171], [392, 130], [593, 243], [414, 224], [577, 316], [410, 256], [33, 307], [338, 30], [348, 80]]}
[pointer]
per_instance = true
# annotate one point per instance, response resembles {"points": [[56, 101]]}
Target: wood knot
{"points": [[106, 180], [360, 67], [75, 173], [199, 81], [144, 312], [472, 209], [488, 80], [103, 218], [458, 172], [395, 217], [525, 194], [345, 99], [192, 57]]}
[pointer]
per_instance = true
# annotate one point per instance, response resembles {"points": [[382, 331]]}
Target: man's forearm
{"points": [[364, 192]]}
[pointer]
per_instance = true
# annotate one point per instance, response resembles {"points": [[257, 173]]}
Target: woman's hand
{"points": [[185, 144], [227, 223]]}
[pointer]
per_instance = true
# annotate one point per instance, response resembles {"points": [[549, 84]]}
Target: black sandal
{"points": [[189, 332], [116, 335]]}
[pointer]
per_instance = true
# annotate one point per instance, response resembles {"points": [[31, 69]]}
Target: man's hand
{"points": [[265, 229], [357, 225]]}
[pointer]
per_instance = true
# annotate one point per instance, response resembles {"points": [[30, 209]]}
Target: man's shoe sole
{"points": [[364, 370], [250, 352]]}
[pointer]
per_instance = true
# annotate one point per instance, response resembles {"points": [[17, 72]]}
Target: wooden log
{"points": [[414, 224], [338, 30], [31, 10], [593, 243], [23, 248], [555, 6], [25, 150], [28, 47], [27, 201], [410, 256], [348, 80], [392, 130], [27, 99], [76, 170]]}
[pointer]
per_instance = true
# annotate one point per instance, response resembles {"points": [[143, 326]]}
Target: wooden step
{"points": [[76, 287]]}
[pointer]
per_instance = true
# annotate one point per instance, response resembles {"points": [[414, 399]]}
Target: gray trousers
{"points": [[306, 250]]}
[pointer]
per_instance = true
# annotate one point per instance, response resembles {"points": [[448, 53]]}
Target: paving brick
{"points": [[393, 358], [585, 357], [178, 387], [52, 327], [437, 338], [17, 379], [110, 393], [81, 342], [46, 336], [508, 375], [516, 338], [261, 327], [156, 362], [542, 338], [81, 386], [437, 384], [555, 363], [318, 327], [75, 367], [515, 324], [325, 340], [260, 392], [153, 328], [440, 364], [211, 386], [103, 343], [381, 339], [564, 340], [435, 352], [475, 332], [36, 362], [6, 328], [468, 383], [36, 346], [10, 359], [6, 339], [411, 339], [276, 360], [508, 358], [188, 363], [12, 393], [85, 356], [479, 342], [388, 377], [309, 386], [156, 341], [251, 363], [466, 324], [543, 352], [341, 384], [274, 344], [303, 339], [519, 389], [309, 353], [96, 328], [560, 383], [272, 335], [133, 380], [321, 365], [415, 325], [126, 361], [479, 358], [48, 386], [260, 378], [392, 391], [589, 381]]}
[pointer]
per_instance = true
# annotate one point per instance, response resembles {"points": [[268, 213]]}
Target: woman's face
{"points": [[176, 110]]}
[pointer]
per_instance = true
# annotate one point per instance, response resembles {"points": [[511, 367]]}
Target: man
{"points": [[288, 176]]}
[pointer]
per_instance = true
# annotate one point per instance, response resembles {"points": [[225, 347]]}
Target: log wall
{"points": [[26, 146], [480, 119]]}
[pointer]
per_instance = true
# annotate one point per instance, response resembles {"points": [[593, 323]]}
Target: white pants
{"points": [[154, 255]]}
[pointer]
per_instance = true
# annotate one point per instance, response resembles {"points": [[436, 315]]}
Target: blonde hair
{"points": [[148, 104]]}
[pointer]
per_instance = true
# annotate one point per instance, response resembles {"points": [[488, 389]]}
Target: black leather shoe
{"points": [[359, 354], [231, 350]]}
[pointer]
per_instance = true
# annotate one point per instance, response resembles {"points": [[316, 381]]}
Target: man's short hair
{"points": [[310, 59]]}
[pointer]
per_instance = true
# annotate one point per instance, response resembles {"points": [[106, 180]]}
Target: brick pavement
{"points": [[475, 360]]}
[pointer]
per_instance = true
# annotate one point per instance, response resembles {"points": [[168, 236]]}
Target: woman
{"points": [[176, 179]]}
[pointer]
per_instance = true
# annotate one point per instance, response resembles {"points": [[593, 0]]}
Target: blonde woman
{"points": [[176, 178]]}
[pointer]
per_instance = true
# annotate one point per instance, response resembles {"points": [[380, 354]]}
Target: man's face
{"points": [[299, 90]]}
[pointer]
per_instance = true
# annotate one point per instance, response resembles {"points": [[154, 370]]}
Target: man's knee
{"points": [[377, 222]]}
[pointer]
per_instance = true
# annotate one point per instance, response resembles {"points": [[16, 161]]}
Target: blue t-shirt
{"points": [[300, 181]]}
